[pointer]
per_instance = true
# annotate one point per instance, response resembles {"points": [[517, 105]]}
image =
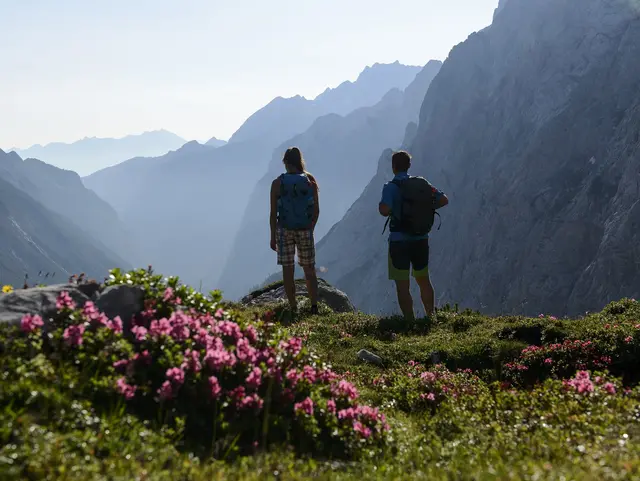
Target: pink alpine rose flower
{"points": [[115, 325], [165, 392], [140, 332], [254, 379], [361, 429], [168, 294], [30, 323], [214, 387], [72, 335], [305, 407], [64, 301], [175, 375], [127, 390], [191, 361]]}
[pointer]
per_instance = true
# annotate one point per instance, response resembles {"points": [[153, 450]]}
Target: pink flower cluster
{"points": [[438, 382], [574, 352], [127, 390], [72, 335], [582, 384], [305, 407], [29, 323], [235, 364], [363, 418], [64, 301]]}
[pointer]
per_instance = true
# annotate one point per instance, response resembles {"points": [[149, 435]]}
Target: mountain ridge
{"points": [[90, 154]]}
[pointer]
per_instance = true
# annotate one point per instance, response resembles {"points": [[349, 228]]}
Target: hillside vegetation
{"points": [[197, 388]]}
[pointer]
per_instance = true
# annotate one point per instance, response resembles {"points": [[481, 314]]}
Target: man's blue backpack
{"points": [[296, 202]]}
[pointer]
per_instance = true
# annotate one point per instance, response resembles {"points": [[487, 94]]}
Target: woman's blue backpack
{"points": [[296, 202]]}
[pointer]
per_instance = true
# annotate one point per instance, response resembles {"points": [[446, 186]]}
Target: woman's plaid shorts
{"points": [[290, 240]]}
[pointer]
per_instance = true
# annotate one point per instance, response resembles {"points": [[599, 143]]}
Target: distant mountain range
{"points": [[49, 223], [185, 207], [91, 154]]}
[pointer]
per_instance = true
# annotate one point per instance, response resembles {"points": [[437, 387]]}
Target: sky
{"points": [[71, 69]]}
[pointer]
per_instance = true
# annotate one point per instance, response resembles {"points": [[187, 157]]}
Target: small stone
{"points": [[367, 356]]}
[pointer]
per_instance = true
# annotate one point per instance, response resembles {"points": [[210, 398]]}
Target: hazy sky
{"points": [[199, 68]]}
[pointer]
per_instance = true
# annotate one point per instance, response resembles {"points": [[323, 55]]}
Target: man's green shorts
{"points": [[406, 254]]}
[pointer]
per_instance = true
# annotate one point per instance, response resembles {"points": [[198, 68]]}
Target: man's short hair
{"points": [[401, 161]]}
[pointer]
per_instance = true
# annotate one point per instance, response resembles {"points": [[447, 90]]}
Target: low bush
{"points": [[230, 383]]}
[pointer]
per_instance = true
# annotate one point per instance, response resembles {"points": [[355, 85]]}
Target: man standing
{"points": [[410, 203]]}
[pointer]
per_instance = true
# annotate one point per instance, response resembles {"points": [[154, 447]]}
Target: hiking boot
{"points": [[314, 310]]}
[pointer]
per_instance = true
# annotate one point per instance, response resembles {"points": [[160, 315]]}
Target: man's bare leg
{"points": [[427, 294], [288, 280], [405, 300]]}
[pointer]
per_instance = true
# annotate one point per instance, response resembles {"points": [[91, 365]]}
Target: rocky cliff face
{"points": [[340, 152], [532, 128]]}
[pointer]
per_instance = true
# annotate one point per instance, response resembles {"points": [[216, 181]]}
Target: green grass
{"points": [[50, 428]]}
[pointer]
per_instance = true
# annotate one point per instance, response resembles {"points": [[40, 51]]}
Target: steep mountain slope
{"points": [[91, 154], [186, 206], [62, 192], [35, 240], [283, 118], [532, 128], [341, 153]]}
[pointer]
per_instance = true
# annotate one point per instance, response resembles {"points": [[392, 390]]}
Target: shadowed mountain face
{"points": [[92, 154], [532, 128], [62, 192], [34, 240], [341, 153], [186, 206]]}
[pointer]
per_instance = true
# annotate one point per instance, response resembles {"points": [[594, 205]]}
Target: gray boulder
{"points": [[332, 297], [121, 300], [38, 300]]}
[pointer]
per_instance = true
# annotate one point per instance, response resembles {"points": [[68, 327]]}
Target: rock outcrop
{"points": [[38, 300], [115, 301], [531, 128], [332, 297]]}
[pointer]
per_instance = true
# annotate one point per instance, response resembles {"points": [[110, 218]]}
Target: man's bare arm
{"points": [[384, 209], [444, 200]]}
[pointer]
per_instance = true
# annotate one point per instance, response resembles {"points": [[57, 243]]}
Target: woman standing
{"points": [[294, 214]]}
